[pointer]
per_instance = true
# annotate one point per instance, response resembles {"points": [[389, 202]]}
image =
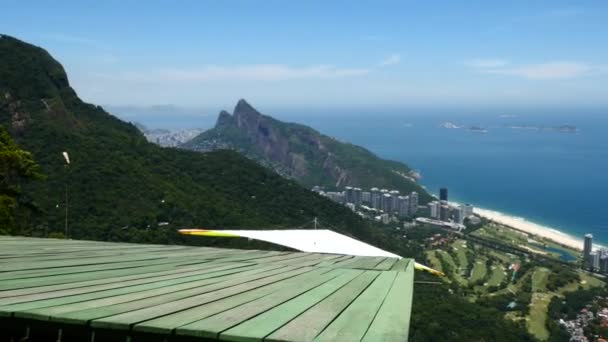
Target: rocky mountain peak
{"points": [[244, 109], [224, 119]]}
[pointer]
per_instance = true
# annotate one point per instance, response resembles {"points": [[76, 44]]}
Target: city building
{"points": [[413, 203], [404, 206], [376, 198], [594, 258], [357, 196], [337, 197], [395, 200], [604, 264], [366, 197], [434, 208], [385, 218], [443, 194], [349, 196], [588, 246], [444, 212], [387, 202], [458, 215], [467, 210]]}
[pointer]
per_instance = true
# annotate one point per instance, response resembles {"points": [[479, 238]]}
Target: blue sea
{"points": [[552, 178]]}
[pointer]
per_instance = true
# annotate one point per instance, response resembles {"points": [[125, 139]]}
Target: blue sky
{"points": [[324, 53]]}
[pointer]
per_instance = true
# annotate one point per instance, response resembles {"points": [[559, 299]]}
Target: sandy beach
{"points": [[532, 228]]}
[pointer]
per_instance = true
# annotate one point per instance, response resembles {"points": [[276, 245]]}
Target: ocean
{"points": [[517, 162]]}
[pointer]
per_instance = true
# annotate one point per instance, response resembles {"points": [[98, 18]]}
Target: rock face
{"points": [[301, 153]]}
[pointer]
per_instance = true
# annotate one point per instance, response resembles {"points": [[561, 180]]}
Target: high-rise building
{"points": [[458, 215], [357, 196], [349, 195], [587, 247], [413, 202], [395, 199], [604, 264], [404, 206], [595, 260], [376, 198], [366, 197], [467, 210], [443, 194], [387, 202], [444, 212], [434, 209]]}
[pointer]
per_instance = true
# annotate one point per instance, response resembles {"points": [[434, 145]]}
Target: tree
{"points": [[16, 167]]}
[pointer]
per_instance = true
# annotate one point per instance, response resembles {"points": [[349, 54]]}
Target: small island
{"points": [[477, 129], [449, 125]]}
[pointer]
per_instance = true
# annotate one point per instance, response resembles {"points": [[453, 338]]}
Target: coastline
{"points": [[523, 225]]}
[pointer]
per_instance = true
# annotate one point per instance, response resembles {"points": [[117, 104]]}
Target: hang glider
{"points": [[307, 240]]}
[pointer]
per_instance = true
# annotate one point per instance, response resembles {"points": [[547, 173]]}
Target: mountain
{"points": [[301, 153], [120, 186]]}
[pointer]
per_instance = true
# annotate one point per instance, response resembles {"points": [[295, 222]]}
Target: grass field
{"points": [[536, 320], [539, 279], [460, 248], [479, 270], [448, 259], [498, 275], [502, 234], [433, 260]]}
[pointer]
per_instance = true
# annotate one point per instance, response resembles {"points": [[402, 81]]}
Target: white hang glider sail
{"points": [[307, 240]]}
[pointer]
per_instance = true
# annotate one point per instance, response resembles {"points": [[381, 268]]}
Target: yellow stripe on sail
{"points": [[421, 267], [204, 232]]}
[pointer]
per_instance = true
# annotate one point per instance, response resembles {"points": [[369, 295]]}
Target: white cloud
{"points": [[541, 71], [256, 72], [546, 71], [391, 60]]}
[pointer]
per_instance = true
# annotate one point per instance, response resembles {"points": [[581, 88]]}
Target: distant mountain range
{"points": [[301, 153]]}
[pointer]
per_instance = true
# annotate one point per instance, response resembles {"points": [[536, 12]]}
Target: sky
{"points": [[324, 53]]}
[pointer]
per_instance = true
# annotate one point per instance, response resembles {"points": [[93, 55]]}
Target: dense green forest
{"points": [[121, 187]]}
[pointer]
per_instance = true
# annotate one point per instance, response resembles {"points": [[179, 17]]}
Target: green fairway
{"points": [[460, 249], [434, 260], [498, 275], [479, 270], [446, 257], [536, 321], [539, 279]]}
